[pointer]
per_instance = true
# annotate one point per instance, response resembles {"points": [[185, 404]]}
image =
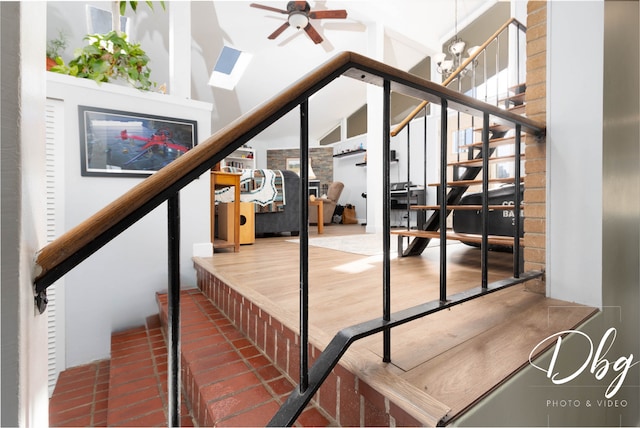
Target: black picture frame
{"points": [[115, 143]]}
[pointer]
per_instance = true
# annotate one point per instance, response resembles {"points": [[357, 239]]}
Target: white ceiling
{"points": [[413, 29]]}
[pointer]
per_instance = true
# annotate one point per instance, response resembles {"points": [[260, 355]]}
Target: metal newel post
{"points": [[174, 378], [517, 202], [442, 190], [485, 200], [304, 246], [386, 218]]}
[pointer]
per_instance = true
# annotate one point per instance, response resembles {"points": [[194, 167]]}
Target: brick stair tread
{"points": [[238, 386], [80, 397], [226, 378], [129, 389], [138, 378]]}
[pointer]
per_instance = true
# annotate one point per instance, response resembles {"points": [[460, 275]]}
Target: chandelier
{"points": [[447, 63]]}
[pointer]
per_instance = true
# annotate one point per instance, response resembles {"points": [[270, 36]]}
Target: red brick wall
{"points": [[358, 405], [536, 151]]}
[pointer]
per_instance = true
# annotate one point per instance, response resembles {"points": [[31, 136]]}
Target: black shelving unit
{"points": [[351, 152]]}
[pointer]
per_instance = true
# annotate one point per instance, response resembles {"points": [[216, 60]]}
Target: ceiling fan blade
{"points": [[301, 6], [334, 14], [278, 31], [269, 8], [313, 34]]}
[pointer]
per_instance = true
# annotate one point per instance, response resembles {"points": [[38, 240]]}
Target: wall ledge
{"points": [[112, 88]]}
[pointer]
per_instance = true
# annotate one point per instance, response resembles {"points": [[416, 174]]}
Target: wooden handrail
{"points": [[64, 253], [456, 72]]}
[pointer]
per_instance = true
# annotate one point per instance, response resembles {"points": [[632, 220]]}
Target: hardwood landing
{"points": [[443, 363]]}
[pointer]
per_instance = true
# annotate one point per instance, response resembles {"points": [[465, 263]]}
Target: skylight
{"points": [[229, 68]]}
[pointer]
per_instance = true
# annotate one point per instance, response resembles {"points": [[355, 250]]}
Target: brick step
{"points": [[81, 396], [138, 378], [228, 381], [127, 390]]}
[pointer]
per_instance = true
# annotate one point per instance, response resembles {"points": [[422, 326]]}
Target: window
{"points": [[229, 68], [99, 21]]}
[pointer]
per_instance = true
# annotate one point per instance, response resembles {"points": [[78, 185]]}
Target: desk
{"points": [[219, 180], [319, 206]]}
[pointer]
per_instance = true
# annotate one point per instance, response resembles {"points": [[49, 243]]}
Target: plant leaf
{"points": [[91, 50], [123, 7], [101, 66]]}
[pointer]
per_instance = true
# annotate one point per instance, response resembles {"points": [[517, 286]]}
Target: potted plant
{"points": [[119, 8], [110, 57], [55, 48]]}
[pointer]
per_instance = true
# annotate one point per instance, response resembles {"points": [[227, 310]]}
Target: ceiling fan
{"points": [[299, 13]]}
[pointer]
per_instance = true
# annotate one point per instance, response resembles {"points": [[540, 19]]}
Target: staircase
{"points": [[460, 185], [226, 380]]}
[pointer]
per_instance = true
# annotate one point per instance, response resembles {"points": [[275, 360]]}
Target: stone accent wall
{"points": [[321, 161], [536, 151], [344, 396]]}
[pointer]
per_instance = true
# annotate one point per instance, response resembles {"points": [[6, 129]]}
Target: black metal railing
{"points": [[312, 379], [467, 72], [74, 246]]}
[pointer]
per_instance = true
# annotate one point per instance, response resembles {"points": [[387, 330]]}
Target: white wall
{"points": [[354, 177], [115, 288], [574, 152], [24, 335]]}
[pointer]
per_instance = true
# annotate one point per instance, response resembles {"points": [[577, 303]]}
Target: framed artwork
{"points": [[123, 144], [293, 164]]}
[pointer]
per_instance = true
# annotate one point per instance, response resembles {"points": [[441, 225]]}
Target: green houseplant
{"points": [[55, 48], [110, 57]]}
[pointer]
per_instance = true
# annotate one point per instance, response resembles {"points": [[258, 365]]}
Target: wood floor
{"points": [[454, 357]]}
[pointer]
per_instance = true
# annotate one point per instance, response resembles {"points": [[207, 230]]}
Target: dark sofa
{"points": [[288, 220]]}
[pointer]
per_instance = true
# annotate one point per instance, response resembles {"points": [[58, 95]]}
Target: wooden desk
{"points": [[219, 180], [319, 206]]}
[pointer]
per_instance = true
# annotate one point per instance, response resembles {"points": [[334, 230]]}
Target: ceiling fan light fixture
{"points": [[298, 20], [299, 17]]}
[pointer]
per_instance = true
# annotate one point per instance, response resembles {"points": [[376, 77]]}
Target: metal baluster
{"points": [[304, 246], [408, 176], [497, 70], [485, 199], [486, 84], [386, 227], [518, 54], [173, 351], [443, 201], [517, 203], [424, 182]]}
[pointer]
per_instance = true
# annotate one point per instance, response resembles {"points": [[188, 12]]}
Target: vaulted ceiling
{"points": [[412, 30]]}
